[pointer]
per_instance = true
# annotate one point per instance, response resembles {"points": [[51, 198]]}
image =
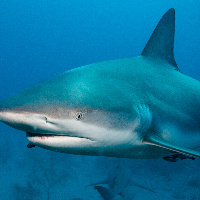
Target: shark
{"points": [[140, 107], [119, 178]]}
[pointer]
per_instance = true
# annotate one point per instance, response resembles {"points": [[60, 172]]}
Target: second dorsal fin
{"points": [[161, 43]]}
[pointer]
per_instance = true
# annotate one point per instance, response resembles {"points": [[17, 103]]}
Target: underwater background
{"points": [[39, 39]]}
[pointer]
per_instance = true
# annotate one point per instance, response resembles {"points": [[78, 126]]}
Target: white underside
{"points": [[77, 137]]}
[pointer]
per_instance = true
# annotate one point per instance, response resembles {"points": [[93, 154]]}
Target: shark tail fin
{"points": [[161, 43], [104, 192], [154, 140]]}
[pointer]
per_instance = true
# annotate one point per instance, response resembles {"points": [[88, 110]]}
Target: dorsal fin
{"points": [[161, 42]]}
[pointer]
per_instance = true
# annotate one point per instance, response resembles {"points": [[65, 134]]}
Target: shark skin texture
{"points": [[141, 107]]}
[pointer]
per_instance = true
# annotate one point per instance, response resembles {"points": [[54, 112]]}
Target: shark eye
{"points": [[79, 115]]}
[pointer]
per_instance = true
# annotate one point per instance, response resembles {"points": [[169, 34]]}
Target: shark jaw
{"points": [[59, 142]]}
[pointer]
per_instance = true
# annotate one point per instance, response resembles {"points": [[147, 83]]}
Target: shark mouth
{"points": [[40, 135], [60, 143], [28, 134]]}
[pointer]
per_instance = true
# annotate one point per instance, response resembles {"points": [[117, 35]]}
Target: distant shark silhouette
{"points": [[141, 107], [117, 182]]}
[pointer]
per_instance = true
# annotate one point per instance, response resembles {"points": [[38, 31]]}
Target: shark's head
{"points": [[66, 114]]}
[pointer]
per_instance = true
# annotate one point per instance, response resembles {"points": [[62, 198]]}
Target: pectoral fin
{"points": [[154, 140]]}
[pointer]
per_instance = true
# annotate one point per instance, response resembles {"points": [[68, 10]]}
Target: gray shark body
{"points": [[122, 108]]}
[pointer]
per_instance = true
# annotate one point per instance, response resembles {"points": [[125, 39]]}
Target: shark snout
{"points": [[23, 121]]}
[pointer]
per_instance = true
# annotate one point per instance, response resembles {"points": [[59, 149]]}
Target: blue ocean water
{"points": [[40, 39]]}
